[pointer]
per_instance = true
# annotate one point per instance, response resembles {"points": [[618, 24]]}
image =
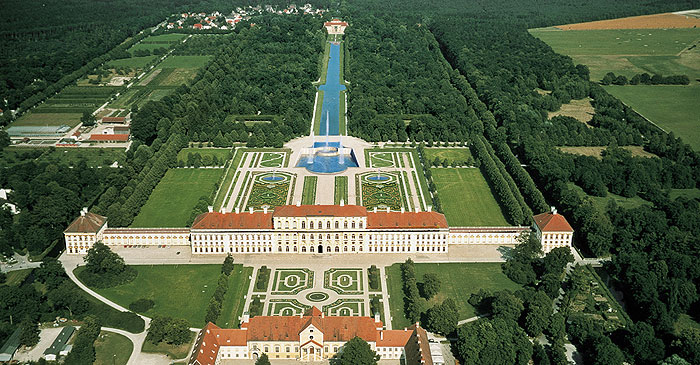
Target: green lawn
{"points": [[15, 278], [164, 38], [467, 199], [112, 349], [133, 62], [601, 203], [221, 153], [234, 302], [92, 156], [341, 189], [674, 108], [185, 62], [458, 281], [148, 46], [173, 199], [308, 195], [450, 154], [182, 291]]}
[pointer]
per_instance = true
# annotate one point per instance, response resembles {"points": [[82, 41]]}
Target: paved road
{"points": [[22, 263]]}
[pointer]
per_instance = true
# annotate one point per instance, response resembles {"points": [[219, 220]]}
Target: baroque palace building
{"points": [[314, 229], [308, 337]]}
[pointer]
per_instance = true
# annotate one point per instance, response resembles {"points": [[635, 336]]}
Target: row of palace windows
{"points": [[336, 225]]}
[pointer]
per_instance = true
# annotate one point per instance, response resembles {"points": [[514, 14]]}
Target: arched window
{"points": [[311, 225], [303, 249], [337, 249], [346, 224], [328, 225], [303, 225], [337, 225], [353, 225]]}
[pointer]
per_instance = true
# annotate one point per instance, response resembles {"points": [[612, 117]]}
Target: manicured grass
{"points": [[627, 51], [179, 291], [221, 153], [185, 61], [450, 154], [173, 199], [380, 159], [466, 198], [308, 196], [147, 46], [133, 62], [272, 159], [173, 352], [164, 38], [341, 189], [458, 281], [112, 349], [674, 108], [32, 119], [234, 302], [317, 115], [341, 109], [222, 197]]}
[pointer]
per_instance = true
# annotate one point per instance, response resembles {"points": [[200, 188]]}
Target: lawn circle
{"points": [[317, 297]]}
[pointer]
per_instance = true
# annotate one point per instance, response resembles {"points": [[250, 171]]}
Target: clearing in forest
{"points": [[581, 110], [596, 151]]}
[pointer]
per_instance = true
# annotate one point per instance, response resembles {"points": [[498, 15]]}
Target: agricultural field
{"points": [[674, 108], [173, 199], [458, 281], [185, 62], [653, 21], [466, 198], [132, 62], [35, 119], [628, 51], [169, 286]]}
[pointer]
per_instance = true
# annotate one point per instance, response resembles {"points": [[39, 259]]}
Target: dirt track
{"points": [[654, 21]]}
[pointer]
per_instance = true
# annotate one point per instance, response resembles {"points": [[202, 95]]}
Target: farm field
{"points": [[450, 154], [223, 154], [458, 281], [34, 119], [653, 21], [171, 202], [112, 349], [133, 62], [674, 108], [185, 62], [628, 51], [170, 286], [466, 198]]}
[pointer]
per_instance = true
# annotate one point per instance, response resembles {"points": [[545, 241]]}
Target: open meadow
{"points": [[450, 154], [458, 281], [183, 291], [173, 199], [466, 198]]}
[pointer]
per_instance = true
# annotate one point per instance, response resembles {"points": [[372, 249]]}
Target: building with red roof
{"points": [[335, 26], [312, 336], [109, 137], [553, 230]]}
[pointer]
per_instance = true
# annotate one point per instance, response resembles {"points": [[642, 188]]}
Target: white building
{"points": [[553, 230], [309, 337]]}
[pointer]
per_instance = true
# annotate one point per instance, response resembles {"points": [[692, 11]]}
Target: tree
{"points": [[29, 334], [262, 360], [356, 352], [431, 285], [4, 139], [608, 79], [493, 341], [443, 318], [227, 266], [104, 268], [643, 345], [556, 260], [604, 352], [50, 272], [506, 306], [87, 119], [166, 329]]}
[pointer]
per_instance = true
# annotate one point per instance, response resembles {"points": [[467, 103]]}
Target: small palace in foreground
{"points": [[315, 229], [309, 337]]}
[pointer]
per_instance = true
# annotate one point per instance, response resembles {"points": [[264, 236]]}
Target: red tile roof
{"points": [[406, 220], [216, 220], [88, 223], [109, 137], [287, 328], [320, 211], [335, 22], [552, 222], [113, 119]]}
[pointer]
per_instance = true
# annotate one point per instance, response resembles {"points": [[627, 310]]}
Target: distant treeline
{"points": [[644, 79]]}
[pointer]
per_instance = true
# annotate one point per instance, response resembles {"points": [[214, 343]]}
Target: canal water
{"points": [[331, 94]]}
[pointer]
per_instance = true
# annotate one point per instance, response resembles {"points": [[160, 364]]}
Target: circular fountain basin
{"points": [[378, 178], [273, 178], [328, 151]]}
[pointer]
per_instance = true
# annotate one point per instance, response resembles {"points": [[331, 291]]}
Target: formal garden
{"points": [[382, 190], [292, 281], [269, 190]]}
